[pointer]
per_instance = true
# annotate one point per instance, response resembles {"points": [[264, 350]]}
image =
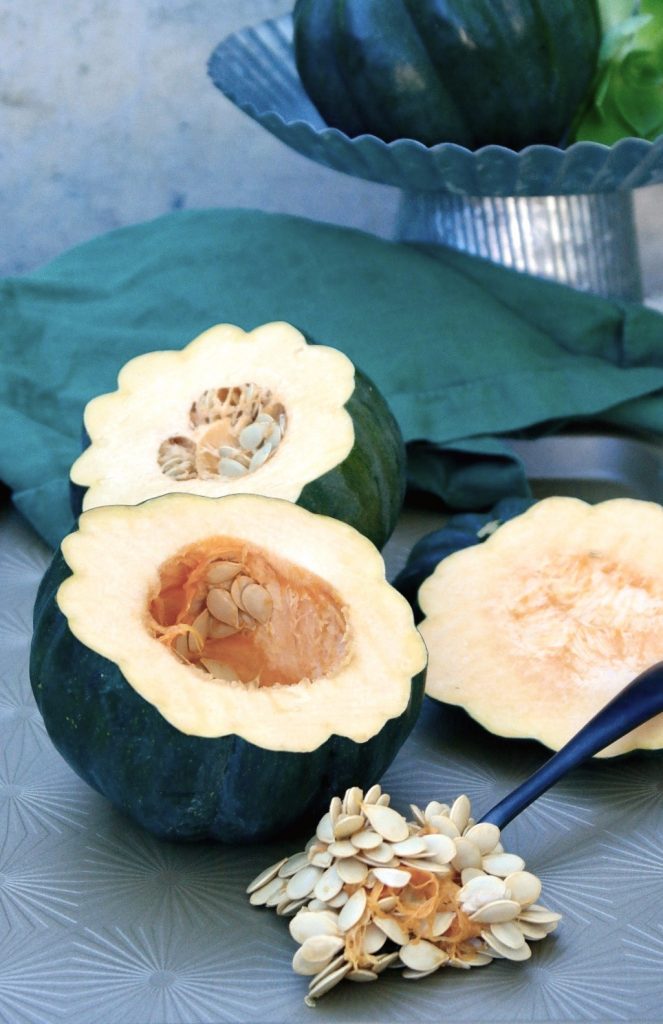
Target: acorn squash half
{"points": [[259, 412], [535, 629], [222, 667]]}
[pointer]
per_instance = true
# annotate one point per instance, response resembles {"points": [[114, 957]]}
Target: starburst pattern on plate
{"points": [[155, 881], [152, 975], [37, 791], [34, 887], [32, 987]]}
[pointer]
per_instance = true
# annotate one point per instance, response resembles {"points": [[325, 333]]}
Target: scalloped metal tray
{"points": [[100, 922], [255, 69]]}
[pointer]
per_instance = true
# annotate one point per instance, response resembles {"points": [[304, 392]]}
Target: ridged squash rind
{"points": [[173, 781]]}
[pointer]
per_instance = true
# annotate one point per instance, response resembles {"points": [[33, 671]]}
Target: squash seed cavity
{"points": [[246, 616], [234, 431]]}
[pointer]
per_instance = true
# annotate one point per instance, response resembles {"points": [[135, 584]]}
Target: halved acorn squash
{"points": [[259, 412], [538, 627], [222, 667]]}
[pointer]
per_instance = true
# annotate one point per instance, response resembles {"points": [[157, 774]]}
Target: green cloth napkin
{"points": [[463, 350]]}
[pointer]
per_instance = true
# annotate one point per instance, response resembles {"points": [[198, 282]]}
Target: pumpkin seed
{"points": [[222, 572], [374, 940], [305, 924], [326, 983], [393, 930], [508, 933], [440, 848], [467, 874], [444, 825], [342, 849], [382, 854], [198, 635], [231, 468], [361, 974], [508, 952], [534, 932], [237, 588], [442, 922], [322, 859], [434, 808], [387, 903], [301, 965], [252, 436], [222, 606], [265, 876], [392, 877], [366, 839], [260, 457], [286, 908], [260, 896], [485, 836], [347, 825], [502, 864], [418, 814], [413, 846], [524, 887], [391, 825], [351, 804], [460, 812], [258, 602], [384, 961], [293, 864], [321, 948], [353, 911], [497, 911], [303, 882], [328, 885], [421, 955], [325, 829], [373, 794], [352, 871], [338, 901], [467, 855], [481, 890], [220, 631]]}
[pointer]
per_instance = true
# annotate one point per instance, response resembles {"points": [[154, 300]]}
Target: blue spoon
{"points": [[635, 704]]}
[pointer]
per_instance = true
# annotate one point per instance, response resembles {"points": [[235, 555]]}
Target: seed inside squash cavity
{"points": [[248, 617], [233, 432]]}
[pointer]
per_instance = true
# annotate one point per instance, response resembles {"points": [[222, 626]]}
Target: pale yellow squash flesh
{"points": [[533, 631], [153, 403], [117, 557]]}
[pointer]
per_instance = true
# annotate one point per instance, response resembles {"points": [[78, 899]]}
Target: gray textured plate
{"points": [[255, 69], [101, 923]]}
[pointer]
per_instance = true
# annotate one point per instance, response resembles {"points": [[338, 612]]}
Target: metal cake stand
{"points": [[563, 214]]}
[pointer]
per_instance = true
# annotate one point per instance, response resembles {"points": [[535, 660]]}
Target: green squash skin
{"points": [[472, 72], [367, 489], [460, 531], [176, 786]]}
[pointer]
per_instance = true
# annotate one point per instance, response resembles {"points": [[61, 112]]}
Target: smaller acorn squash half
{"points": [[258, 412], [538, 627], [222, 667]]}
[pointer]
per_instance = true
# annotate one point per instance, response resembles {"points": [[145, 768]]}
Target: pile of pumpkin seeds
{"points": [[234, 432], [373, 891], [228, 600]]}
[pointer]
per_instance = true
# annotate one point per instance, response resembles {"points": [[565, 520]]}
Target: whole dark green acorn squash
{"points": [[221, 667], [473, 72]]}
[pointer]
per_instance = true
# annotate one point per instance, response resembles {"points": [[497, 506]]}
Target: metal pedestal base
{"points": [[586, 241]]}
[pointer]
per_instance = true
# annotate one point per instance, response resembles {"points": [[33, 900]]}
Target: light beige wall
{"points": [[107, 117]]}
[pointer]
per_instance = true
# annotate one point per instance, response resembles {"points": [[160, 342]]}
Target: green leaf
{"points": [[627, 98]]}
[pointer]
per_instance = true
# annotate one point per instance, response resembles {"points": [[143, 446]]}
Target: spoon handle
{"points": [[637, 702]]}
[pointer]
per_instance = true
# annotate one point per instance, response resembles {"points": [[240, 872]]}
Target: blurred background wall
{"points": [[107, 117]]}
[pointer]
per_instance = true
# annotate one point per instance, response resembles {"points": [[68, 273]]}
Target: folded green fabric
{"points": [[464, 351]]}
